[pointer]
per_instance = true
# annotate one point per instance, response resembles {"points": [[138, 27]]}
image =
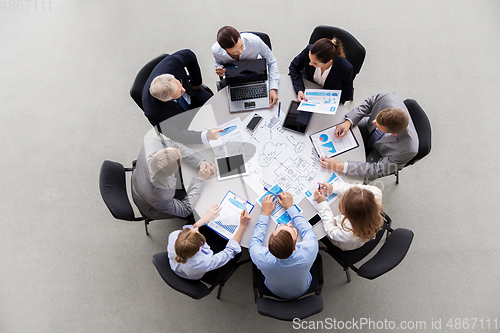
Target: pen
{"points": [[265, 188], [279, 109]]}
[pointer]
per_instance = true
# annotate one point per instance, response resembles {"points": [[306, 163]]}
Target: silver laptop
{"points": [[248, 87]]}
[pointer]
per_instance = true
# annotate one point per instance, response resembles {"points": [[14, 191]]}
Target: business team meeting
{"points": [[271, 171]]}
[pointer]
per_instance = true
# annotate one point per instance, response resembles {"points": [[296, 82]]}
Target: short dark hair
{"points": [[395, 120], [327, 49], [227, 37], [281, 245]]}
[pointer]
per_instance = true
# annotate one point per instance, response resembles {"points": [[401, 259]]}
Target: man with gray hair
{"points": [[170, 95], [157, 187]]}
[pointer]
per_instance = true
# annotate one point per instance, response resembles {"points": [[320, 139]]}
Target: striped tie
{"points": [[374, 137]]}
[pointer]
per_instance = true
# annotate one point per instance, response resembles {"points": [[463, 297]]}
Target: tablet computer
{"points": [[297, 121], [230, 167]]}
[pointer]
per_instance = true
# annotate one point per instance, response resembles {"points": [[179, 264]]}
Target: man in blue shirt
{"points": [[285, 264]]}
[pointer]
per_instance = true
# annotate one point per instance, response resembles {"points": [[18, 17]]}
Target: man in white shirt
{"points": [[231, 45]]}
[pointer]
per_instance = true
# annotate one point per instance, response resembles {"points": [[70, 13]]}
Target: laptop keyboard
{"points": [[248, 92]]}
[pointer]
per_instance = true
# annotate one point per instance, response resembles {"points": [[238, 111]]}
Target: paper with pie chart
{"points": [[228, 221], [326, 144]]}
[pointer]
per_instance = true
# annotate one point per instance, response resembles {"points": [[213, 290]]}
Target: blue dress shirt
{"points": [[203, 261], [253, 48], [288, 278]]}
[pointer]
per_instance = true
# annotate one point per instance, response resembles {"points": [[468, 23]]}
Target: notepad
{"points": [[326, 144]]}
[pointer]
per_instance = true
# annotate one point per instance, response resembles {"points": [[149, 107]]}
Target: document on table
{"points": [[234, 131], [325, 176], [228, 221], [279, 214], [321, 101], [326, 143]]}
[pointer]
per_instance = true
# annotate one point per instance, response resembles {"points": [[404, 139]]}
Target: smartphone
{"points": [[315, 219], [252, 124]]}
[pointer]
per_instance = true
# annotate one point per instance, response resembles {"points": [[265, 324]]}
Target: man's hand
{"points": [[273, 98], [268, 204], [342, 129], [221, 71], [195, 87], [301, 97], [211, 166], [214, 134], [285, 199], [331, 163], [206, 170]]}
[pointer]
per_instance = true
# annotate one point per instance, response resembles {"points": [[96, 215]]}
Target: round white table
{"points": [[214, 191]]}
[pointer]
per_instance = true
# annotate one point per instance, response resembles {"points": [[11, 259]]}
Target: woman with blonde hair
{"points": [[191, 256], [359, 220], [324, 63]]}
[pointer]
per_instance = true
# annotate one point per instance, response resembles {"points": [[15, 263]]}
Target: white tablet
{"points": [[230, 167]]}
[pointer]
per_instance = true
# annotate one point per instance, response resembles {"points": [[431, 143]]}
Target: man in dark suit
{"points": [[388, 133], [170, 93]]}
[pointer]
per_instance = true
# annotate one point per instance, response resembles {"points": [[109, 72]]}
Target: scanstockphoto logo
{"points": [[361, 324]]}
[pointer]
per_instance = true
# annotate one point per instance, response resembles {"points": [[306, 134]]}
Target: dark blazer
{"points": [[340, 77], [158, 112]]}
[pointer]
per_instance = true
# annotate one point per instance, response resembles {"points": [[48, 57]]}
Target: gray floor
{"points": [[67, 266]]}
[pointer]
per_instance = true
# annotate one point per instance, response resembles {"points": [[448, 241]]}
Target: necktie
{"points": [[374, 137], [182, 102]]}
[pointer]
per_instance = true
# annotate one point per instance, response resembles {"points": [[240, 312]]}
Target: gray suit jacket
{"points": [[393, 151], [155, 197]]}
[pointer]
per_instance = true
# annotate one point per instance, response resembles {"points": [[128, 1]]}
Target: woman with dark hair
{"points": [[231, 46], [324, 63], [360, 207], [190, 255]]}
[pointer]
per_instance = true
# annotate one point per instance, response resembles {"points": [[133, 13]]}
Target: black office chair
{"points": [[113, 188], [265, 38], [354, 51], [388, 256], [196, 289], [142, 77], [423, 128], [279, 308]]}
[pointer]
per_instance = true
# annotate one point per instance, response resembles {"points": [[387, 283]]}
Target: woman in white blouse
{"points": [[190, 256], [360, 207]]}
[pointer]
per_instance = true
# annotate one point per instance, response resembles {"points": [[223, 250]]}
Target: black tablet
{"points": [[230, 167], [297, 121]]}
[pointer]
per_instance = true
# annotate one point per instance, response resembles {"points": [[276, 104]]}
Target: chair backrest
{"points": [[353, 256], [289, 310], [354, 51], [142, 77], [265, 38], [113, 188], [423, 128], [389, 256], [193, 288], [282, 309]]}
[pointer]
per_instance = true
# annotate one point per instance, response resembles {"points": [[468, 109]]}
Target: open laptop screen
{"points": [[245, 71]]}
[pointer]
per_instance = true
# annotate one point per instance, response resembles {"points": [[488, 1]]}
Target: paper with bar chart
{"points": [[326, 144], [228, 221], [321, 101]]}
